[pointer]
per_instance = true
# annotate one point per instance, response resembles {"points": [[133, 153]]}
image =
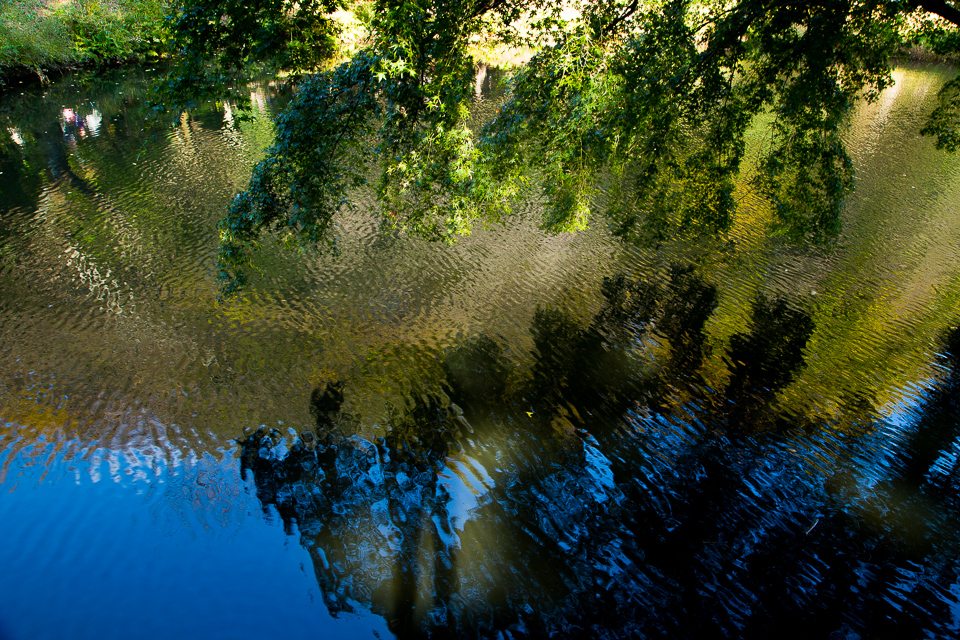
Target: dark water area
{"points": [[518, 436]]}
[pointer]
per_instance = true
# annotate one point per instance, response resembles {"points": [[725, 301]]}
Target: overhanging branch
{"points": [[630, 10], [941, 8]]}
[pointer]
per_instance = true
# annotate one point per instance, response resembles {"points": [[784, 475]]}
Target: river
{"points": [[519, 435]]}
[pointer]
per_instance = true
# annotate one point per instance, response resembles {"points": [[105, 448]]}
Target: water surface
{"points": [[519, 434]]}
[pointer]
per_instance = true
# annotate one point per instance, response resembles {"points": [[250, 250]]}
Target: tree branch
{"points": [[484, 7], [630, 10], [940, 7]]}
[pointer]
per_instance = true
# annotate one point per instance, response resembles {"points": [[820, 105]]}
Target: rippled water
{"points": [[520, 434]]}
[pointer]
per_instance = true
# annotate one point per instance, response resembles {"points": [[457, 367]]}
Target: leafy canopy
{"points": [[655, 98]]}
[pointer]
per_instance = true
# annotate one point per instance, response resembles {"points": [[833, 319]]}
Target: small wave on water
{"points": [[109, 543], [517, 436], [678, 523]]}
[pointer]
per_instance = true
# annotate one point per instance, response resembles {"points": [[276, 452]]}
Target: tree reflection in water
{"points": [[609, 495]]}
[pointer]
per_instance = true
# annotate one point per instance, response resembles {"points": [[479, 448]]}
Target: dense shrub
{"points": [[44, 33]]}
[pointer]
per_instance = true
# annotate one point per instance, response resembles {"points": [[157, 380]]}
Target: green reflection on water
{"points": [[110, 317]]}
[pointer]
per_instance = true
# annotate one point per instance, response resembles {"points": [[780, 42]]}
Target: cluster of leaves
{"points": [[218, 43], [400, 105], [317, 156], [667, 101], [650, 103], [944, 122]]}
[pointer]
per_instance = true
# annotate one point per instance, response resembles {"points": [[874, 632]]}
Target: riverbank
{"points": [[40, 36]]}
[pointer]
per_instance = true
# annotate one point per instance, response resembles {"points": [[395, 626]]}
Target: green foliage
{"points": [[37, 34], [119, 30], [648, 104], [931, 33], [30, 37], [316, 157], [668, 103], [944, 122], [401, 105], [217, 43]]}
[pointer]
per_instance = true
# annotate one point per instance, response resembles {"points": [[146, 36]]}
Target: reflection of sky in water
{"points": [[182, 552], [466, 484]]}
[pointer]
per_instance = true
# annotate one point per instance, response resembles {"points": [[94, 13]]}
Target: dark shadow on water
{"points": [[611, 495], [763, 361]]}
